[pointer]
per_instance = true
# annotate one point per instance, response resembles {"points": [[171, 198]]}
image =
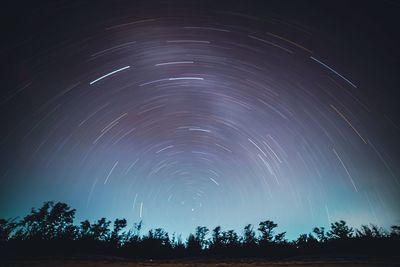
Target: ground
{"points": [[120, 262]]}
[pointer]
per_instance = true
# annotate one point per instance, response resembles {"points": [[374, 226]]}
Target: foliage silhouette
{"points": [[340, 230], [249, 236], [50, 231]]}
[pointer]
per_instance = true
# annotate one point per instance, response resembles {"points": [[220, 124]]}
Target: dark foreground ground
{"points": [[121, 262]]}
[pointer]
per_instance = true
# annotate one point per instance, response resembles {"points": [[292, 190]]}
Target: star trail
{"points": [[184, 115]]}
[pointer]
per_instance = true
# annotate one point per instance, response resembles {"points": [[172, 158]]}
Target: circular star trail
{"points": [[187, 115]]}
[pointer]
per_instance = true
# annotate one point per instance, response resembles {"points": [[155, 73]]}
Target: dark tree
{"points": [[320, 233], [280, 238], [230, 239], [158, 234], [176, 242], [368, 232], [116, 237], [34, 225], [85, 230], [51, 221], [305, 240], [156, 243], [60, 222], [192, 245], [7, 227], [301, 241], [249, 236], [216, 239], [100, 230], [200, 235], [197, 242], [49, 231], [340, 230], [395, 231], [133, 234], [267, 231]]}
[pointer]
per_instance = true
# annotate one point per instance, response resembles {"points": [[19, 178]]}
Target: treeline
{"points": [[50, 231]]}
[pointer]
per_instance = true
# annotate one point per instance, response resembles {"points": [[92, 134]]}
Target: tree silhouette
{"points": [[200, 235], [177, 243], [230, 239], [192, 245], [100, 230], [59, 222], [340, 230], [51, 221], [216, 239], [6, 229], [267, 231], [249, 236], [280, 238], [50, 230], [320, 233], [34, 225], [116, 236], [372, 231], [85, 231], [158, 234], [133, 235], [155, 240], [305, 240], [395, 231]]}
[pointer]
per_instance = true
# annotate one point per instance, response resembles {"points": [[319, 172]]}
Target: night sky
{"points": [[184, 113]]}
